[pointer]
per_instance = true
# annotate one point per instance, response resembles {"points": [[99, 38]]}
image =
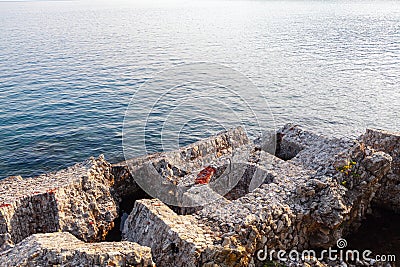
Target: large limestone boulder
{"points": [[178, 169], [314, 191], [388, 196], [178, 240], [318, 192], [63, 249], [175, 240], [77, 200]]}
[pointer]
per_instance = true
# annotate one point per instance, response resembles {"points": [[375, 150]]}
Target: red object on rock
{"points": [[2, 205], [51, 191], [205, 175]]}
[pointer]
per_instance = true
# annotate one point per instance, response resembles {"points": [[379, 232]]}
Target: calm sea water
{"points": [[68, 70]]}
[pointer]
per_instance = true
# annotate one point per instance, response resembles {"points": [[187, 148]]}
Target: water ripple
{"points": [[69, 69]]}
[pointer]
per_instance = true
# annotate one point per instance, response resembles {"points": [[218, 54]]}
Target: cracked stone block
{"points": [[63, 249], [125, 184], [299, 209], [77, 200], [175, 240], [292, 139], [317, 191], [388, 196], [307, 149], [298, 206], [186, 162], [195, 155]]}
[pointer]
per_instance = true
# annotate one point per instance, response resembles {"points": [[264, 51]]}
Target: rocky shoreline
{"points": [[293, 189]]}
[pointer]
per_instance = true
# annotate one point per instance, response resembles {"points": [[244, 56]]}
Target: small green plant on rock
{"points": [[349, 170]]}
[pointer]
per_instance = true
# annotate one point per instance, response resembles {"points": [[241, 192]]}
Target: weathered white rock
{"points": [[318, 195], [63, 249], [177, 240], [317, 190], [156, 173], [77, 200], [307, 149]]}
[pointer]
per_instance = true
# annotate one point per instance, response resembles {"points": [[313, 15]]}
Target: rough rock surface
{"points": [[125, 185], [179, 241], [388, 195], [314, 191], [63, 249], [320, 193], [76, 200], [179, 168], [307, 149]]}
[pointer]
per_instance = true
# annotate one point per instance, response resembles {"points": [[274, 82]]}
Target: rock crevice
{"points": [[311, 192]]}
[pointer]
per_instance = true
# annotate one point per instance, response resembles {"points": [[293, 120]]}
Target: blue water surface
{"points": [[68, 70]]}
